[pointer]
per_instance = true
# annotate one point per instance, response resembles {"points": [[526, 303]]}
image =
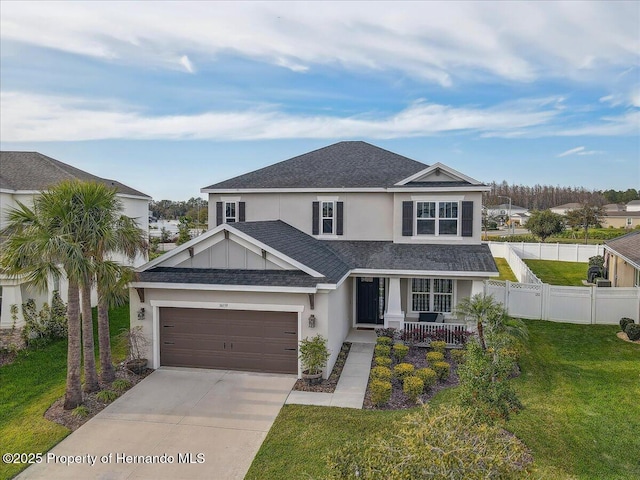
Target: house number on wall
{"points": [[224, 305]]}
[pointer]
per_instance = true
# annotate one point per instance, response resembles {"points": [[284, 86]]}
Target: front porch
{"points": [[401, 302]]}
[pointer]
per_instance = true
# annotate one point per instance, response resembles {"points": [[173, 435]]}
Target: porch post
{"points": [[394, 316]]}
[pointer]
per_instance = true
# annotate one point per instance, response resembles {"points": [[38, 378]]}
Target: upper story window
{"points": [[230, 210], [327, 218], [437, 218]]}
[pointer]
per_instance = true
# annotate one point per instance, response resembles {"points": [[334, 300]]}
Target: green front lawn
{"points": [[28, 387], [559, 273], [579, 386]]}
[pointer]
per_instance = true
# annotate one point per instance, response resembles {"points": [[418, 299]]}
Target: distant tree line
{"points": [[541, 197], [194, 209]]}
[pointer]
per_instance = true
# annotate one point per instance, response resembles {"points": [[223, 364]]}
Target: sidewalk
{"points": [[352, 385]]}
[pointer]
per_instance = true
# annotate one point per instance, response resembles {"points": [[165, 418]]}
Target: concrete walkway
{"points": [[207, 424], [352, 385]]}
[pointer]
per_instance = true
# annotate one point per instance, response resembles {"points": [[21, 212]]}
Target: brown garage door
{"points": [[229, 339]]}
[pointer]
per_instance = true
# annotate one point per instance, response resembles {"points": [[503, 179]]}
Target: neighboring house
{"points": [[519, 215], [622, 260], [621, 215], [565, 208], [23, 175], [346, 236]]}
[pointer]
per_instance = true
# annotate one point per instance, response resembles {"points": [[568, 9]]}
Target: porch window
{"points": [[327, 218], [230, 212], [431, 295]]}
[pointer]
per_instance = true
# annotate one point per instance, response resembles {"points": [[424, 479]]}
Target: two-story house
{"points": [[346, 236], [23, 175]]}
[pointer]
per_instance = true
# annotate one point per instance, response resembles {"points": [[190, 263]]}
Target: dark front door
{"points": [[368, 300]]}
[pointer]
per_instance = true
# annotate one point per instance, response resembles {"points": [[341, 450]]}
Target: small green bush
{"points": [[439, 346], [428, 376], [433, 357], [380, 392], [442, 370], [80, 411], [384, 341], [383, 361], [107, 396], [624, 321], [121, 384], [400, 351], [381, 373], [382, 350], [413, 387], [403, 370], [633, 331], [458, 355]]}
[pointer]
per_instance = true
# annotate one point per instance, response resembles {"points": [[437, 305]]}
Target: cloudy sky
{"points": [[171, 97]]}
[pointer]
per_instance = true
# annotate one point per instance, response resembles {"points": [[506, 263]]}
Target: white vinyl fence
{"points": [[570, 252], [598, 305]]}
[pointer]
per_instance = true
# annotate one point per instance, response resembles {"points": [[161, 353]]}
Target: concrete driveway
{"points": [[207, 424]]}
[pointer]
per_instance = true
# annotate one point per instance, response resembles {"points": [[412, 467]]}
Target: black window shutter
{"points": [[339, 217], [407, 219], [219, 217], [467, 219], [241, 211], [315, 229]]}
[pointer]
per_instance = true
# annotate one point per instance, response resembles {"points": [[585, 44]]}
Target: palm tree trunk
{"points": [[481, 336], [73, 394], [107, 372], [90, 373]]}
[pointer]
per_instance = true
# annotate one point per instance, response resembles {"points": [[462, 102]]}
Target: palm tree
{"points": [[480, 308], [37, 247]]}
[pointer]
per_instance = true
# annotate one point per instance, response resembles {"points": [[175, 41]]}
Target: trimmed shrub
{"points": [[380, 392], [442, 370], [80, 411], [381, 373], [386, 332], [403, 370], [633, 331], [384, 341], [624, 321], [382, 351], [447, 442], [400, 351], [413, 387], [383, 361], [107, 396], [438, 346], [458, 355], [433, 357], [428, 376]]}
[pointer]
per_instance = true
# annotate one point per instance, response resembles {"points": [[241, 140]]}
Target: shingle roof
{"points": [[426, 257], [296, 245], [35, 171], [275, 278], [341, 165], [628, 246]]}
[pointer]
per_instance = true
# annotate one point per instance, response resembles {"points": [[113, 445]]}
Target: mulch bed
{"points": [[7, 357], [56, 412], [623, 336], [398, 400], [328, 385]]}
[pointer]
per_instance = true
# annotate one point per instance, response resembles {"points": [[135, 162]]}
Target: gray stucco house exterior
{"points": [[347, 236]]}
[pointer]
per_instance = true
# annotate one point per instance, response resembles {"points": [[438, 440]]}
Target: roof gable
{"points": [[341, 165], [439, 174], [33, 171]]}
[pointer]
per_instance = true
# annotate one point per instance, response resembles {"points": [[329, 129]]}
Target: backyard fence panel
{"points": [[570, 252], [611, 304], [570, 304], [525, 300], [498, 289]]}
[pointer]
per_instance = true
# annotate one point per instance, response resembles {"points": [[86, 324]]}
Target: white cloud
{"points": [[571, 152], [28, 117], [433, 41], [186, 63]]}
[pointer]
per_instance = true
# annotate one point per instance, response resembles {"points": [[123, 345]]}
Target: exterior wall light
{"points": [[141, 314], [312, 321]]}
